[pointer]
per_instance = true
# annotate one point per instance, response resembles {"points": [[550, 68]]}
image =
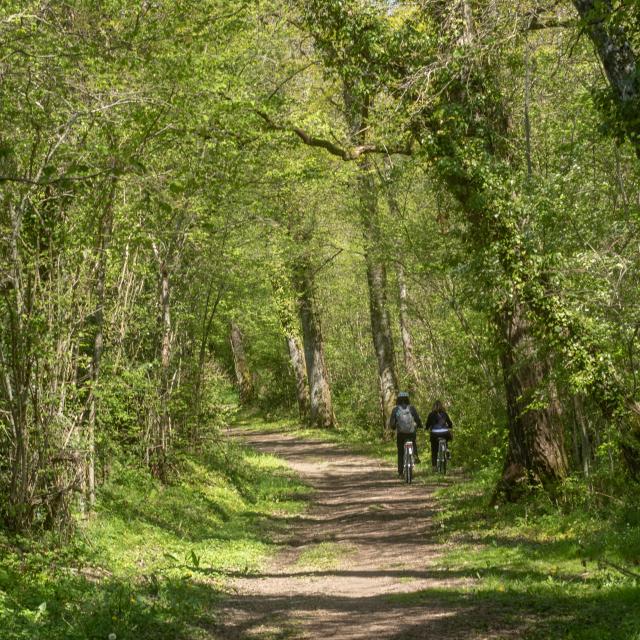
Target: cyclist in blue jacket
{"points": [[406, 422]]}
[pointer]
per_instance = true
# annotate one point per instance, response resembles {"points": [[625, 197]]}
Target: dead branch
{"points": [[617, 567]]}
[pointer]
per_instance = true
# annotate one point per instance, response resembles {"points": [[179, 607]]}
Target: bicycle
{"points": [[407, 471], [444, 455]]}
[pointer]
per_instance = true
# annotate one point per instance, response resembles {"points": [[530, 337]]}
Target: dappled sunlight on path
{"points": [[361, 563]]}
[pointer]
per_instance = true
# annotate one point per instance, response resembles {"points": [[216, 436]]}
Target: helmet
{"points": [[403, 395]]}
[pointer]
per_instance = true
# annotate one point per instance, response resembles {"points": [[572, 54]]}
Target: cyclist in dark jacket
{"points": [[438, 421], [403, 403]]}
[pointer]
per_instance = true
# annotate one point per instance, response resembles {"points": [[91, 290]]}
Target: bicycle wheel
{"points": [[408, 469], [442, 458]]}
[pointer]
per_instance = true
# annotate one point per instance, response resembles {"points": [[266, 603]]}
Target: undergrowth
{"points": [[567, 567], [154, 559]]}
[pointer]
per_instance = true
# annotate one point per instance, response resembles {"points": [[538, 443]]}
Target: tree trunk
{"points": [[527, 108], [321, 408], [208, 316], [583, 440], [104, 238], [243, 373], [357, 117], [469, 28], [536, 452], [382, 340], [618, 59], [18, 385], [165, 425], [157, 457], [296, 355], [405, 331], [603, 21], [283, 298]]}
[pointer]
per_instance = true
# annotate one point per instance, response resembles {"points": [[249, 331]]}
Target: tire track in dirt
{"points": [[383, 535]]}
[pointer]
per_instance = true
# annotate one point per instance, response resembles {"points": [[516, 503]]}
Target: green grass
{"points": [[541, 563], [154, 559], [345, 435], [324, 556]]}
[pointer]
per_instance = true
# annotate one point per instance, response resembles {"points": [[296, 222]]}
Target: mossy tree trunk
{"points": [[298, 364], [536, 451]]}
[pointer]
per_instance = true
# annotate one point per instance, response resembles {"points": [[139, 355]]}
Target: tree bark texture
{"points": [[410, 366], [583, 441], [164, 424], [377, 281], [288, 316], [536, 452], [17, 382], [321, 407], [357, 110], [158, 444], [243, 372], [405, 330], [382, 339], [298, 364]]}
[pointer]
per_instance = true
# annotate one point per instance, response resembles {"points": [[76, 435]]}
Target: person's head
{"points": [[437, 406], [403, 398]]}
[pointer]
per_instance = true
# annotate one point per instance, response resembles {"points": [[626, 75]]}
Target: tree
{"points": [[466, 127], [611, 30]]}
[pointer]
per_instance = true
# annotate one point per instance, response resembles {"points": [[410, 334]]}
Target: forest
{"points": [[252, 212]]}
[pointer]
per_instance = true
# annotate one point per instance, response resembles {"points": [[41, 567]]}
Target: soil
{"points": [[362, 562]]}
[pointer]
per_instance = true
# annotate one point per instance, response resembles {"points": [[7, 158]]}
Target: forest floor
{"points": [[271, 532], [364, 561]]}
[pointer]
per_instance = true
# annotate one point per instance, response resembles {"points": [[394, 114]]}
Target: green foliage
{"points": [[151, 563], [563, 562], [146, 116]]}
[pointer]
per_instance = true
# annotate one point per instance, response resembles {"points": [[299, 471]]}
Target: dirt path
{"points": [[380, 534]]}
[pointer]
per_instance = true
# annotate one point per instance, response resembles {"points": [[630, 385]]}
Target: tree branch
{"points": [[543, 18], [290, 77], [535, 24], [345, 153], [327, 261], [617, 567], [64, 178]]}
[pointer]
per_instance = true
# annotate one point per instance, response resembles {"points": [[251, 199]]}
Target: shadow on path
{"points": [[363, 563]]}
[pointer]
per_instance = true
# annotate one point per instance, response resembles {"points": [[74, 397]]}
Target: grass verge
{"points": [[556, 572], [154, 559], [349, 437]]}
